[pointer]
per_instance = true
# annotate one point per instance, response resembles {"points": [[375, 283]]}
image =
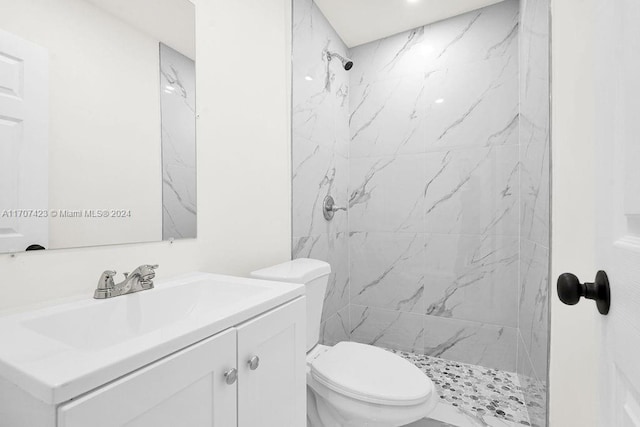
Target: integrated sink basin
{"points": [[100, 325], [66, 350]]}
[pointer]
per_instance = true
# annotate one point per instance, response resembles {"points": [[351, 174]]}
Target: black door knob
{"points": [[570, 290]]}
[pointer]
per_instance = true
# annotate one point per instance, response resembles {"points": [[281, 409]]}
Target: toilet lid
{"points": [[371, 374]]}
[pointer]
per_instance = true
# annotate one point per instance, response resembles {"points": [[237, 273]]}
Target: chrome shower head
{"points": [[347, 64]]}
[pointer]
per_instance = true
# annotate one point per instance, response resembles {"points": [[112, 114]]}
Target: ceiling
{"points": [[362, 21], [171, 22]]}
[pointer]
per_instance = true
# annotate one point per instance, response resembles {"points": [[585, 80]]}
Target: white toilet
{"points": [[352, 384]]}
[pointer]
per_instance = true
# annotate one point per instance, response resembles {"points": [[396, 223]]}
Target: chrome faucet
{"points": [[139, 279]]}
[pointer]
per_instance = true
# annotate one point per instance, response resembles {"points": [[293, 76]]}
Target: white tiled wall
{"points": [[440, 174], [433, 185], [533, 318], [320, 155]]}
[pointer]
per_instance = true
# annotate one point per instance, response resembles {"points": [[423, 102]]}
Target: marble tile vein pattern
{"points": [[533, 318], [472, 191], [468, 342], [442, 169], [472, 278], [177, 102], [382, 260], [387, 194], [320, 165], [321, 88], [318, 172], [434, 170]]}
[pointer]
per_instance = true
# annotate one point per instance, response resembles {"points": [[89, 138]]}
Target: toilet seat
{"points": [[371, 374]]}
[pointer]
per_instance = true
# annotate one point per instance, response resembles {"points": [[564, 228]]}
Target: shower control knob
{"points": [[231, 376], [329, 208], [570, 290], [253, 363]]}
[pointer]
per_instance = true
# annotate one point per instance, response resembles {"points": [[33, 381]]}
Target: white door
{"points": [[617, 132], [188, 388], [271, 368], [24, 157]]}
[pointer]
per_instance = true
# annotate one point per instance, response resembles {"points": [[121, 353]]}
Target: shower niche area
{"points": [[435, 144]]}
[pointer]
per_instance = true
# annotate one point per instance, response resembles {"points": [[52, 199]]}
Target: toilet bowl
{"points": [[361, 385], [352, 384]]}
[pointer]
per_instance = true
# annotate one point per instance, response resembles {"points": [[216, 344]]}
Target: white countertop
{"points": [[62, 351]]}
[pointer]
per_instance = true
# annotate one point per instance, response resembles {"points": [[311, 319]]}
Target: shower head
{"points": [[347, 64]]}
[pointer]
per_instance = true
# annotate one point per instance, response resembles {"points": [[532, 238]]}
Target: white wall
{"points": [[244, 178], [171, 21], [104, 111], [574, 330]]}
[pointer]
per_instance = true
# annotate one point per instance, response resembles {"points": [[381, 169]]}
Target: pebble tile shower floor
{"points": [[480, 393]]}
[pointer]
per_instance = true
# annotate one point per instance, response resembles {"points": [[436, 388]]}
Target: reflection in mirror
{"points": [[177, 96], [97, 122]]}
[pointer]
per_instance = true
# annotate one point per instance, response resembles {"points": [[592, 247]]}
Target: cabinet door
{"points": [[187, 388], [273, 393]]}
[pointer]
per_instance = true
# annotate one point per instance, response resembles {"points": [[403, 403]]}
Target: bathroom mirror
{"points": [[97, 123]]}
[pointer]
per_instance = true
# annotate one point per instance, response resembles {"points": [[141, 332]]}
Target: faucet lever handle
{"points": [[106, 280]]}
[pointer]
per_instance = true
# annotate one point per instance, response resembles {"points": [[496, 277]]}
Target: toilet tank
{"points": [[314, 275]]}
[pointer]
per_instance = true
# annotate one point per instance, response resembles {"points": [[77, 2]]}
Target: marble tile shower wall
{"points": [[177, 112], [434, 189], [533, 319], [320, 153]]}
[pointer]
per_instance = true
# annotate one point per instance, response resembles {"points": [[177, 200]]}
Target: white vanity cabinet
{"points": [[190, 387], [237, 359], [272, 369], [187, 388]]}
